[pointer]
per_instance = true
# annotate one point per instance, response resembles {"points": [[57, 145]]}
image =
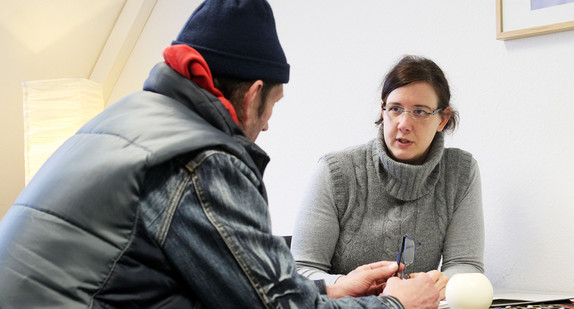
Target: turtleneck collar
{"points": [[409, 182]]}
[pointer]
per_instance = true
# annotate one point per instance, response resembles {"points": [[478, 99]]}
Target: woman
{"points": [[362, 200]]}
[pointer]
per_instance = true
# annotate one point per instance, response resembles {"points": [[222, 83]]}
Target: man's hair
{"points": [[234, 90]]}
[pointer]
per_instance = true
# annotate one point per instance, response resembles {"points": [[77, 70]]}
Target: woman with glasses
{"points": [[363, 200]]}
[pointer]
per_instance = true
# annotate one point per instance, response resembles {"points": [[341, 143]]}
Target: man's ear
{"points": [[251, 99]]}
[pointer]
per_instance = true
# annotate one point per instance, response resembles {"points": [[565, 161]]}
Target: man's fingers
{"points": [[376, 272], [378, 264], [382, 273]]}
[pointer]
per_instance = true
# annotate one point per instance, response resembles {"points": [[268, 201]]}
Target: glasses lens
{"points": [[419, 114], [394, 111], [409, 251]]}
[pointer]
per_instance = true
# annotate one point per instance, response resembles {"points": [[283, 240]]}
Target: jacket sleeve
{"points": [[220, 240]]}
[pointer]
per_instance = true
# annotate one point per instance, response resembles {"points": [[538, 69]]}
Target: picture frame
{"points": [[515, 19]]}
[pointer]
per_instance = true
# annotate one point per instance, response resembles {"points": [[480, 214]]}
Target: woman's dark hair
{"points": [[234, 89], [411, 69]]}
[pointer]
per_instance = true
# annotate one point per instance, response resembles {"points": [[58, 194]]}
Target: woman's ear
{"points": [[445, 116]]}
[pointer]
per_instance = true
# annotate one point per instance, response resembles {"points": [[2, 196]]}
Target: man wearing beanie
{"points": [[159, 201]]}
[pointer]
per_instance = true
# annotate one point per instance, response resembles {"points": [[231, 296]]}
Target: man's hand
{"points": [[416, 293], [440, 281], [363, 281]]}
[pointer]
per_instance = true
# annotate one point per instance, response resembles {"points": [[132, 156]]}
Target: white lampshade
{"points": [[53, 111]]}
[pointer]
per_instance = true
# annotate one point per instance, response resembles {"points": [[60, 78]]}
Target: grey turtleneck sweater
{"points": [[360, 203]]}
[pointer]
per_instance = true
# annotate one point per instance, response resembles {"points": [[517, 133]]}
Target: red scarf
{"points": [[189, 63]]}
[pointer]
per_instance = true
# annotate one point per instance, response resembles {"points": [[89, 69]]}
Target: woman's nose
{"points": [[404, 122]]}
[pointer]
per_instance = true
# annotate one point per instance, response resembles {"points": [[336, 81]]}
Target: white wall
{"points": [[162, 27], [513, 97]]}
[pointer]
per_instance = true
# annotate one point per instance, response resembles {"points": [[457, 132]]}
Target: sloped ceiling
{"points": [[68, 33]]}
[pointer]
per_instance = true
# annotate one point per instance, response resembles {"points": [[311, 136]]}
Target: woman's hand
{"points": [[440, 281]]}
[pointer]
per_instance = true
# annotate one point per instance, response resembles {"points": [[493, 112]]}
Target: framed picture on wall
{"points": [[523, 18]]}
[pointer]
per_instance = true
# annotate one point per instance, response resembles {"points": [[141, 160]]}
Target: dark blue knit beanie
{"points": [[237, 38]]}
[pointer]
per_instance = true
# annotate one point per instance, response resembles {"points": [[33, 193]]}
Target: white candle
{"points": [[469, 291]]}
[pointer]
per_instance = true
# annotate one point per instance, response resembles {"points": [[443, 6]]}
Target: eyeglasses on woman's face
{"points": [[395, 112]]}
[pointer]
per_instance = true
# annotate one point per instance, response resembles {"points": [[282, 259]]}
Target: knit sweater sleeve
{"points": [[317, 228], [464, 242]]}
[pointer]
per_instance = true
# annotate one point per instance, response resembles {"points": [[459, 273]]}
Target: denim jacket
{"points": [[158, 202], [231, 259]]}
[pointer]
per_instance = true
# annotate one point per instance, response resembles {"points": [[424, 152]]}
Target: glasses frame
{"points": [[426, 116], [408, 243]]}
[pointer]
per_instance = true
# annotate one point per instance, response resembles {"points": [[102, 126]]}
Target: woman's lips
{"points": [[404, 142]]}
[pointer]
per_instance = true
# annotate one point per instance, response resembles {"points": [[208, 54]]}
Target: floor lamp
{"points": [[54, 110]]}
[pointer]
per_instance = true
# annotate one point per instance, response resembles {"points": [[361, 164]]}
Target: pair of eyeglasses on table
{"points": [[406, 255]]}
